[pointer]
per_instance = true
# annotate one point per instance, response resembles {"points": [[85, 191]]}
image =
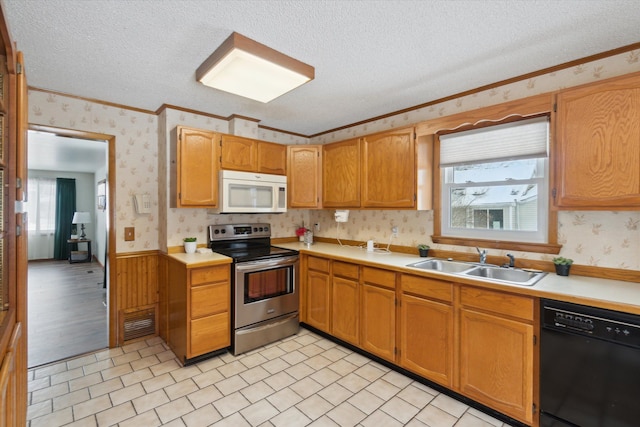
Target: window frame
{"points": [[502, 113]]}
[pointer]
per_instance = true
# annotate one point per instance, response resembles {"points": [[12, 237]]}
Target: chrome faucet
{"points": [[483, 255]]}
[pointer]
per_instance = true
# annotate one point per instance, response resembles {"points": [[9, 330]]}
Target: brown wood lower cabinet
{"points": [[318, 293], [199, 309], [345, 297], [426, 328], [496, 350], [378, 312], [475, 341]]}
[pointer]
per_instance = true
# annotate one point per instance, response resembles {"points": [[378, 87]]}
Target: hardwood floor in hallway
{"points": [[67, 314]]}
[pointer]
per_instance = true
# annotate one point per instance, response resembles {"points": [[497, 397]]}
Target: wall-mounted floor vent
{"points": [[139, 323]]}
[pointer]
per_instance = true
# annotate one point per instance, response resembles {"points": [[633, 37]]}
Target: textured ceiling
{"points": [[371, 57]]}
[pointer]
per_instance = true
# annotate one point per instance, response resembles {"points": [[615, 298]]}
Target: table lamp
{"points": [[81, 218]]}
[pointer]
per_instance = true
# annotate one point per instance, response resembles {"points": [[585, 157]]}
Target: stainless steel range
{"points": [[264, 288]]}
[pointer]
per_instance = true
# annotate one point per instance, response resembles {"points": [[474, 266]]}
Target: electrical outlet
{"points": [[317, 226], [394, 231]]}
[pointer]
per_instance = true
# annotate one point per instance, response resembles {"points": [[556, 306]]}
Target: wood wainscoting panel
{"points": [[137, 284]]}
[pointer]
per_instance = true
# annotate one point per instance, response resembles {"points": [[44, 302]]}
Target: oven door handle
{"points": [[261, 264]]}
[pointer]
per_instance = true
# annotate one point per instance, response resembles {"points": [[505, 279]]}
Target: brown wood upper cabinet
{"points": [[194, 168], [304, 176], [389, 169], [597, 153], [341, 174], [375, 171], [250, 155]]}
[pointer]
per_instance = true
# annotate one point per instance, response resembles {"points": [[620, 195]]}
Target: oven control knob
{"points": [[223, 231], [216, 231], [266, 229]]}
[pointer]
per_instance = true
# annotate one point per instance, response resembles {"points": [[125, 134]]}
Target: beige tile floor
{"points": [[299, 381]]}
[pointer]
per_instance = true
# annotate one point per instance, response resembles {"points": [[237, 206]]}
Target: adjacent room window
{"points": [[494, 182], [41, 205]]}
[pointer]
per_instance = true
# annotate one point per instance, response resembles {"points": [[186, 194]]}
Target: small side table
{"points": [[79, 256]]}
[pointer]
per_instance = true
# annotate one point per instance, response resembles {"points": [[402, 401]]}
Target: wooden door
{"points": [[272, 158], [196, 170], [303, 176], [496, 363], [389, 170], [378, 321], [341, 174], [318, 297], [345, 302], [597, 153], [238, 153], [426, 337]]}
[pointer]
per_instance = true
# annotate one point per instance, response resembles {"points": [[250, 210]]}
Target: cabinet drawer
{"points": [[498, 302], [209, 275], [426, 287], [210, 333], [345, 269], [376, 276], [318, 264], [209, 299]]}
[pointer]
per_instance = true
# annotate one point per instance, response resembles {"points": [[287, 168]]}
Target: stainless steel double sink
{"points": [[494, 273]]}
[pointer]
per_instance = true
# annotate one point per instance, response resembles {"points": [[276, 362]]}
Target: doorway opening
{"points": [[68, 235]]}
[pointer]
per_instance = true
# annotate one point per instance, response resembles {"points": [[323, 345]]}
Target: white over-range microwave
{"points": [[248, 192]]}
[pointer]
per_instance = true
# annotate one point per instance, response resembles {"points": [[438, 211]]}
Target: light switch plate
{"points": [[129, 234]]}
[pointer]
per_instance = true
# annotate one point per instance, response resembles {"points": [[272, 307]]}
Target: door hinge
{"points": [[18, 230], [19, 68], [395, 351], [18, 182], [553, 193], [535, 340], [555, 107], [534, 408]]}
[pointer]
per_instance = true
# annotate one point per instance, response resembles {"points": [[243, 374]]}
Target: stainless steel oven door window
{"points": [[265, 289]]}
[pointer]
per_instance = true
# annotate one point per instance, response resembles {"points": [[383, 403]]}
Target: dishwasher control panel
{"points": [[622, 328]]}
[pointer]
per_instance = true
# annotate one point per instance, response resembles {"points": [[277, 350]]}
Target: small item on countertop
{"points": [[370, 246], [532, 270], [204, 250]]}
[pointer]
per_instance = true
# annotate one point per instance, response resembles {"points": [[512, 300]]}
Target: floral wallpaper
{"points": [[136, 168], [598, 238]]}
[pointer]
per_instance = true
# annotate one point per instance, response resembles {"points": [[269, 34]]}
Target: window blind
{"points": [[516, 140]]}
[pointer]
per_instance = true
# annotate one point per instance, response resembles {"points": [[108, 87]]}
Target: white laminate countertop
{"points": [[201, 260], [604, 293]]}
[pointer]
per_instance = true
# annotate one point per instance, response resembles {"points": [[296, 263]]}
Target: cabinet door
{"points": [[272, 158], [597, 153], [303, 173], [496, 363], [195, 176], [209, 299], [341, 174], [238, 153], [209, 334], [426, 338], [318, 300], [389, 170], [378, 321], [345, 309]]}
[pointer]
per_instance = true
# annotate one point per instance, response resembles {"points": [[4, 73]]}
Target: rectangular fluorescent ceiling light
{"points": [[247, 68]]}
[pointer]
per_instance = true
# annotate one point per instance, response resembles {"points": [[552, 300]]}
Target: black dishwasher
{"points": [[589, 367]]}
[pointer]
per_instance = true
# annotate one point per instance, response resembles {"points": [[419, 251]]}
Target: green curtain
{"points": [[65, 208]]}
